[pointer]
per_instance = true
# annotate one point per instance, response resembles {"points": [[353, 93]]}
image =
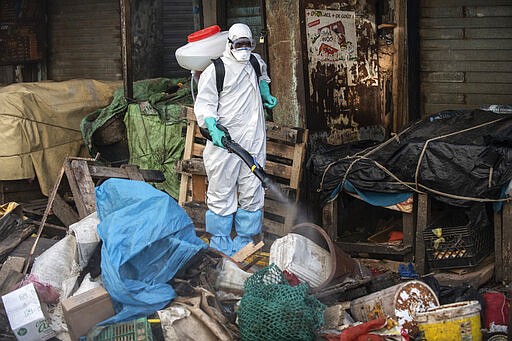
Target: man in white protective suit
{"points": [[234, 192]]}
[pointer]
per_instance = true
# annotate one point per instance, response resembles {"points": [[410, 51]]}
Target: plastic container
{"points": [[463, 246], [455, 321], [302, 257], [136, 330], [202, 47], [402, 301], [231, 278]]}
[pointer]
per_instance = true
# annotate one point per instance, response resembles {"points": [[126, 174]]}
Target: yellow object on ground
{"points": [[455, 322], [41, 125], [7, 207]]}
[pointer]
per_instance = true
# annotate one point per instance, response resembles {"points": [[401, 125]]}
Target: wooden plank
{"points": [[442, 77], [191, 166], [506, 237], [465, 22], [197, 150], [187, 154], [102, 172], [409, 234], [199, 188], [298, 160], [371, 248], [279, 170], [63, 211], [280, 150], [489, 77], [86, 192], [12, 278], [273, 227], [11, 264], [285, 134], [444, 98], [247, 251], [330, 219], [480, 99], [77, 198], [442, 12], [488, 33], [473, 66], [463, 55], [435, 108], [488, 11], [468, 44], [275, 207], [132, 172], [422, 221], [442, 33], [468, 88]]}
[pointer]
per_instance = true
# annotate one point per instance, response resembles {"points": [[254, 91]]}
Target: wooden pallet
{"points": [[286, 150]]}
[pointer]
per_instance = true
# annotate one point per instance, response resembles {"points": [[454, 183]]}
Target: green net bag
{"points": [[271, 309]]}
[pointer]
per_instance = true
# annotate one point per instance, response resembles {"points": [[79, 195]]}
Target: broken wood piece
{"points": [[11, 264], [45, 216], [63, 211], [246, 251]]}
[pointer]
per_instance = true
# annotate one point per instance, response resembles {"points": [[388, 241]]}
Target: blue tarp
{"points": [[147, 237]]}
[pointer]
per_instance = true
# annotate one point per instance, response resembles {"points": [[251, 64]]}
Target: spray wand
{"points": [[235, 148]]}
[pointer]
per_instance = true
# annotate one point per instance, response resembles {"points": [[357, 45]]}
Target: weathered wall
{"points": [[343, 71], [466, 53], [285, 61]]}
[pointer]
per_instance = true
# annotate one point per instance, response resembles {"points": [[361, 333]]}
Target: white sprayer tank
{"points": [[203, 46]]}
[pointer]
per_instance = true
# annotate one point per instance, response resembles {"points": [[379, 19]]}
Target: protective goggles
{"points": [[242, 44]]}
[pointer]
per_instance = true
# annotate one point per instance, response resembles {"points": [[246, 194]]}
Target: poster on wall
{"points": [[331, 38]]}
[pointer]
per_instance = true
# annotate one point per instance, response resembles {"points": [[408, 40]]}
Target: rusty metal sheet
{"points": [[343, 69]]}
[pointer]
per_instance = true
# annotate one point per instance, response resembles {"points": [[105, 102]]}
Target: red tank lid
{"points": [[204, 33]]}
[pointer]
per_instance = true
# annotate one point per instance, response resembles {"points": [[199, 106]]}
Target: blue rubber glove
{"points": [[215, 133], [269, 101]]}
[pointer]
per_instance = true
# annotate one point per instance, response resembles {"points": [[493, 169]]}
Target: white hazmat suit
{"points": [[233, 190]]}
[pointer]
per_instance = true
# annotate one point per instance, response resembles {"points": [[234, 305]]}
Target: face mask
{"points": [[241, 55]]}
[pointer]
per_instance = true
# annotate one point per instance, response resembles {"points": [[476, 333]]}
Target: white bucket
{"points": [[402, 301], [197, 55], [302, 257]]}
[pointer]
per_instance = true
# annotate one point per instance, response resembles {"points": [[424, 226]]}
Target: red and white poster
{"points": [[331, 35]]}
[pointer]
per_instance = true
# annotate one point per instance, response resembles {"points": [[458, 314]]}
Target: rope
{"points": [[416, 184]]}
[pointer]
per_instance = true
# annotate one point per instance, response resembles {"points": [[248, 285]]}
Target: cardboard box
{"points": [[85, 310], [27, 316]]}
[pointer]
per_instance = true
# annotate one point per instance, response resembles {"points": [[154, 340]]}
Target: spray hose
{"points": [[236, 149]]}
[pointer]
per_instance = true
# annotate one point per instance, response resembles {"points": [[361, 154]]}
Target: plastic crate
{"points": [[463, 246], [136, 330]]}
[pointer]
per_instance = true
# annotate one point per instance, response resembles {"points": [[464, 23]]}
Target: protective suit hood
{"points": [[235, 32]]}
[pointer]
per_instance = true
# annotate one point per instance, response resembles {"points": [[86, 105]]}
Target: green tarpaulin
{"points": [[153, 126]]}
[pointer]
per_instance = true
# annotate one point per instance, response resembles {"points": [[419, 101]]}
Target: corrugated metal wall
{"points": [[178, 23], [466, 53], [84, 39]]}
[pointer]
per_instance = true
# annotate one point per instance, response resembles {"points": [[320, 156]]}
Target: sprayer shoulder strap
{"points": [[220, 71]]}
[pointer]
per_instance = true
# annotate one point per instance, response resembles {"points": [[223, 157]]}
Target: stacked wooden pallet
{"points": [[286, 149]]}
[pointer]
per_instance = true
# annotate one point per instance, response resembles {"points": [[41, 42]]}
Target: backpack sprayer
{"points": [[236, 149]]}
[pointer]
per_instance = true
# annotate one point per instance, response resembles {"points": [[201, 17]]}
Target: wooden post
{"points": [[422, 221], [330, 219]]}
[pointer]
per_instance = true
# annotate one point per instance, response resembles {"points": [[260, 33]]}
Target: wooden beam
{"points": [[86, 193], [422, 221], [63, 211], [102, 172]]}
